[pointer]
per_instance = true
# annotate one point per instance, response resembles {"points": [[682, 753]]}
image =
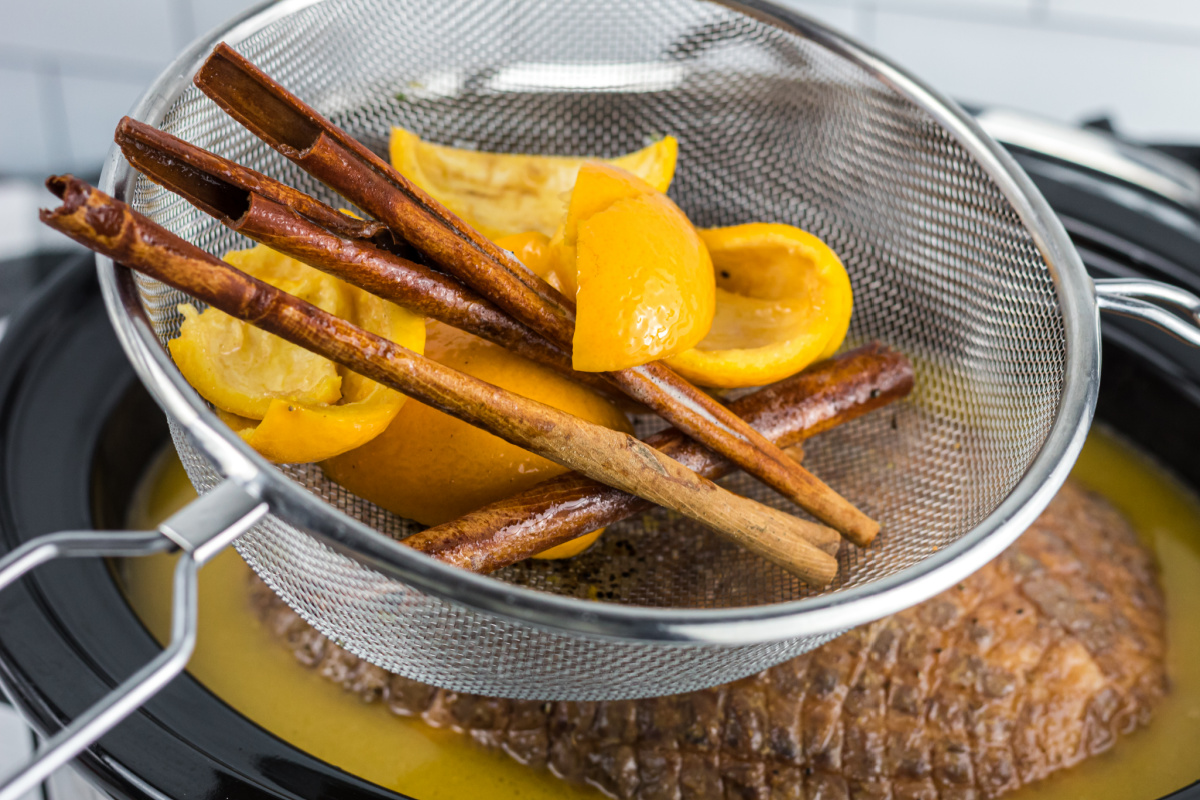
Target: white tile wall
{"points": [[70, 68], [1178, 14], [842, 16], [137, 31], [1148, 87], [208, 14], [971, 7], [23, 145], [93, 107]]}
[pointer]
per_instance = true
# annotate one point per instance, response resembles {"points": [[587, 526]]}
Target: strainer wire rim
{"points": [[823, 614]]}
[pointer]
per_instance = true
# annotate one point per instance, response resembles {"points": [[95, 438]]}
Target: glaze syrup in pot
{"points": [[241, 663]]}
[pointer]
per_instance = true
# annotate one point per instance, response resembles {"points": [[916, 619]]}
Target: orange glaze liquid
{"points": [[248, 669]]}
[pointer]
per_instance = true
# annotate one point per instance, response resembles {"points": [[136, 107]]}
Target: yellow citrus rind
{"points": [[290, 405], [783, 301], [501, 194]]}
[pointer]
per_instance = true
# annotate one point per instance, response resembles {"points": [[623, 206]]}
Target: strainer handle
{"points": [[200, 530], [1153, 302]]}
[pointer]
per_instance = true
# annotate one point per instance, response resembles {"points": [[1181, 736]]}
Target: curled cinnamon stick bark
{"points": [[556, 511], [298, 225], [334, 157], [110, 227]]}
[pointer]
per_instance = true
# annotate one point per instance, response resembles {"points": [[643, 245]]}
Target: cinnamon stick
{"points": [[556, 511], [334, 157], [110, 227], [296, 224]]}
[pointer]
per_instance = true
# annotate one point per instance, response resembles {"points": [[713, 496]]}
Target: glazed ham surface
{"points": [[1041, 659]]}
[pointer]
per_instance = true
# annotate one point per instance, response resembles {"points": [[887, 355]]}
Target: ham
{"points": [[1043, 658]]}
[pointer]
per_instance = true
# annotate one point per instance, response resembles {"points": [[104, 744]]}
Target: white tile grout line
{"points": [[1039, 13], [31, 59], [865, 15], [183, 23]]}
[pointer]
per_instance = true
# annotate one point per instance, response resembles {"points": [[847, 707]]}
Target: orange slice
{"points": [[432, 467], [506, 193], [783, 302], [290, 405], [644, 277]]}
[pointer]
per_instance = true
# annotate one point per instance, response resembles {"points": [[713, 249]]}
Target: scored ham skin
{"points": [[1041, 659]]}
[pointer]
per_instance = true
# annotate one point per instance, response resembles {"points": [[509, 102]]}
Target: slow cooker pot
{"points": [[77, 431]]}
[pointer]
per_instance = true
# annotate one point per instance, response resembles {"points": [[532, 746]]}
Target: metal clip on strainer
{"points": [[200, 531], [955, 258]]}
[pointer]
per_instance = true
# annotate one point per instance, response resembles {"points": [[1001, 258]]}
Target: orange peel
{"points": [[643, 277], [505, 193], [783, 301], [288, 404]]}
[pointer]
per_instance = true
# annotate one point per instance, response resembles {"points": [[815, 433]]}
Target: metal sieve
{"points": [[954, 257]]}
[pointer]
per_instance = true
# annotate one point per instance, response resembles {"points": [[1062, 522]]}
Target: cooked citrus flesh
{"points": [[783, 301], [644, 277], [506, 193], [535, 251], [431, 467], [290, 405], [241, 369]]}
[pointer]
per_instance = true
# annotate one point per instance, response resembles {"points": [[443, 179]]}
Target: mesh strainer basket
{"points": [[955, 260]]}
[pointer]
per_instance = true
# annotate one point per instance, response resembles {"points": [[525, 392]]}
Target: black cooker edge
{"points": [[67, 634]]}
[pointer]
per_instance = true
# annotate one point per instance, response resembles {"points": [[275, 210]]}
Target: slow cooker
{"points": [[77, 431]]}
